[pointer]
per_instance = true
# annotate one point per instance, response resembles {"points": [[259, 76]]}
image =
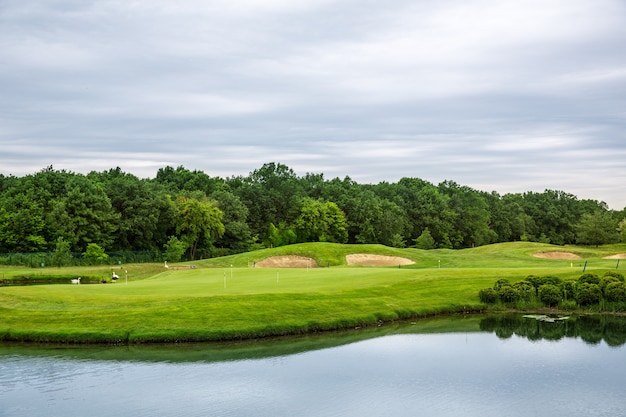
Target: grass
{"points": [[216, 302]]}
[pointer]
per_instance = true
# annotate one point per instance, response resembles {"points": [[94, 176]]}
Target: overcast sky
{"points": [[498, 95]]}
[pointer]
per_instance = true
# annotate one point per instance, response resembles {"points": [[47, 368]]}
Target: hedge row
{"points": [[588, 289]]}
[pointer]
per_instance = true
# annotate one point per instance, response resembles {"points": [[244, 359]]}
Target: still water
{"points": [[493, 367]]}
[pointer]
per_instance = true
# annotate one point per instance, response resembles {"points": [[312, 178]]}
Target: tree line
{"points": [[191, 215]]}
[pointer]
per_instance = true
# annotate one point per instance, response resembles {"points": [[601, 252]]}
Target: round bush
{"points": [[615, 291], [525, 290], [550, 279], [488, 295], [501, 283], [588, 294], [508, 294], [615, 274], [606, 280], [589, 279], [550, 294]]}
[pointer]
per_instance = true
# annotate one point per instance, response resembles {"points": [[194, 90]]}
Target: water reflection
{"points": [[438, 369], [591, 329]]}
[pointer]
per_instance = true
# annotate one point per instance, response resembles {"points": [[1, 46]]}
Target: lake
{"points": [[473, 366]]}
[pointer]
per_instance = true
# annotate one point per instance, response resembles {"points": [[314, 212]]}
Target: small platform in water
{"points": [[546, 318]]}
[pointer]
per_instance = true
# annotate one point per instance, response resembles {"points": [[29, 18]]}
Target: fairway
{"points": [[217, 301]]}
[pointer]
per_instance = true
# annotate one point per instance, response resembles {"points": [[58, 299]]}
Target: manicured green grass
{"points": [[215, 301]]}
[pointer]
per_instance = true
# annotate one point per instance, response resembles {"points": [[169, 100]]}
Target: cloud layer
{"points": [[498, 95]]}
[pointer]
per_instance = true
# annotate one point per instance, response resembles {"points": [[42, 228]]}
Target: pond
{"points": [[476, 366]]}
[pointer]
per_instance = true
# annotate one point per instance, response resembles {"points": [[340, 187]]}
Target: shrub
{"points": [[501, 283], [535, 281], [568, 305], [488, 295], [568, 289], [588, 294], [615, 291], [538, 281], [525, 289], [615, 274], [550, 294], [508, 294], [550, 279], [589, 279], [606, 280]]}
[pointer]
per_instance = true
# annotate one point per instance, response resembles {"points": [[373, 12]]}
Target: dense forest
{"points": [[189, 214]]}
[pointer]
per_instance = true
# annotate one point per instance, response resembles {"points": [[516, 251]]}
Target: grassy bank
{"points": [[217, 301]]}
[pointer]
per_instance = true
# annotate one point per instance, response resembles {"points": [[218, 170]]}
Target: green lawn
{"points": [[215, 301]]}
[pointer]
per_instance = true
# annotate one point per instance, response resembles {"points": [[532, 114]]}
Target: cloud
{"points": [[498, 95]]}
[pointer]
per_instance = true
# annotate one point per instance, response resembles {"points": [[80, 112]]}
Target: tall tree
{"points": [[271, 193], [597, 229], [21, 224], [145, 213], [321, 222], [471, 223], [237, 235], [198, 222], [83, 215]]}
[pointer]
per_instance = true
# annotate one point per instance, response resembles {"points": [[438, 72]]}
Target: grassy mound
{"points": [[226, 298]]}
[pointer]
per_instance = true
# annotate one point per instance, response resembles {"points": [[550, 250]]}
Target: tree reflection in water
{"points": [[591, 329]]}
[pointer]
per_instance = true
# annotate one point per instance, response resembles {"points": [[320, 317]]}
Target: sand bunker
{"points": [[557, 255], [363, 259], [288, 261], [616, 256]]}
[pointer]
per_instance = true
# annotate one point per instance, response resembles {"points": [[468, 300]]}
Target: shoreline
{"points": [[91, 339]]}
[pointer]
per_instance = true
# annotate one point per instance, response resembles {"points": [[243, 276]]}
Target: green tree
{"points": [[198, 222], [82, 215], [553, 213], [183, 180], [174, 249], [621, 228], [280, 236], [144, 213], [320, 221], [397, 241], [22, 227], [425, 240], [271, 193], [94, 254], [237, 234], [426, 208], [61, 255], [472, 217], [596, 229]]}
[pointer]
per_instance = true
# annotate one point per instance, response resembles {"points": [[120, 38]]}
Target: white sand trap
{"points": [[616, 256], [288, 261], [364, 259], [557, 255]]}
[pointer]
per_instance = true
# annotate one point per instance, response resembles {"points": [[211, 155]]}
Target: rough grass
{"points": [[218, 302]]}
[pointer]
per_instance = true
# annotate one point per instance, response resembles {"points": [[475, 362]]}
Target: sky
{"points": [[499, 95]]}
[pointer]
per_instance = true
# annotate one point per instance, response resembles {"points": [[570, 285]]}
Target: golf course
{"points": [[288, 290]]}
